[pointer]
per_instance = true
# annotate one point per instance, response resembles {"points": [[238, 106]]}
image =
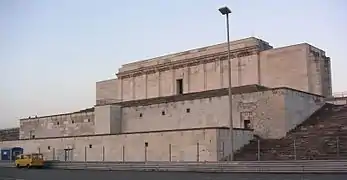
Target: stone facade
{"points": [[180, 145], [70, 124], [254, 61], [270, 112], [300, 66]]}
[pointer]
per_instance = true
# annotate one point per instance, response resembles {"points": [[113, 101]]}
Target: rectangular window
{"points": [[179, 86], [247, 124], [32, 134], [246, 119]]}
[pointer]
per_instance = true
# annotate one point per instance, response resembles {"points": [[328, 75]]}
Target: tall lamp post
{"points": [[226, 11]]}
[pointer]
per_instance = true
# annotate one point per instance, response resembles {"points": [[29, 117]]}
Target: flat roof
{"points": [[203, 94], [62, 114], [193, 96]]}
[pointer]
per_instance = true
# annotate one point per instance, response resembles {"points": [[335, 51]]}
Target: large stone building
{"points": [[254, 61], [175, 107]]}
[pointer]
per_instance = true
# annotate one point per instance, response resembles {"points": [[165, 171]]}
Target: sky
{"points": [[52, 52]]}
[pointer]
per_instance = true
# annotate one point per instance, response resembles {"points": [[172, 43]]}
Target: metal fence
{"points": [[196, 153], [306, 147], [340, 94]]}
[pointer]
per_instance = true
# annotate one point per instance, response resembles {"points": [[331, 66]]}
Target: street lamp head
{"points": [[224, 10]]}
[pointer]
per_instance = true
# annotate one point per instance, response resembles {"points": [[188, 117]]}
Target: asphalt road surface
{"points": [[54, 174]]}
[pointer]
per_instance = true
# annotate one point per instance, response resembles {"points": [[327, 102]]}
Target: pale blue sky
{"points": [[53, 52]]}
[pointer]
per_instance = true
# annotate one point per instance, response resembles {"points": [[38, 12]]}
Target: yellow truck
{"points": [[29, 160]]}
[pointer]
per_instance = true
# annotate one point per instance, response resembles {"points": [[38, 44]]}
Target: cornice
{"points": [[221, 56]]}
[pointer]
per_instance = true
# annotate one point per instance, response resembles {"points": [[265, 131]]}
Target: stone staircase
{"points": [[322, 136], [9, 134]]}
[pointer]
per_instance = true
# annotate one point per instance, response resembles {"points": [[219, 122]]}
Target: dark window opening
{"points": [[90, 146], [146, 144], [88, 120], [49, 147], [31, 134], [73, 121], [140, 114], [57, 123], [179, 86], [188, 110], [247, 124], [163, 113]]}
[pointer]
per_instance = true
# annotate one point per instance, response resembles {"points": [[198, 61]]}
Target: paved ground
{"points": [[50, 174]]}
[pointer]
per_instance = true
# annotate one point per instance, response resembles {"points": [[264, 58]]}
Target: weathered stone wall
{"points": [[271, 113], [302, 67], [208, 112], [319, 71], [72, 124], [185, 145], [265, 111]]}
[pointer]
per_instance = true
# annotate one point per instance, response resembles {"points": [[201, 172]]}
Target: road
{"points": [[54, 174]]}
